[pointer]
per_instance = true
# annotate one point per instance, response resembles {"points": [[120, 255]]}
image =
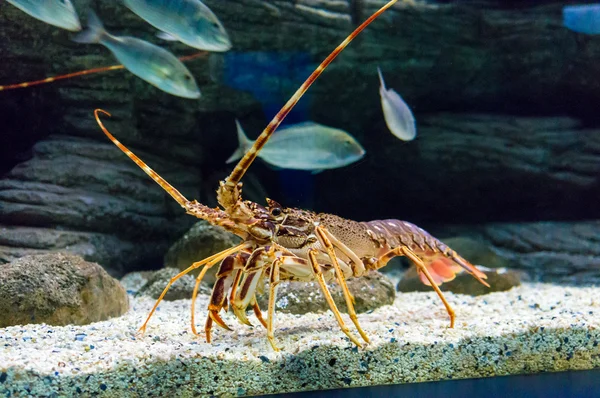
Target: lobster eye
{"points": [[276, 212]]}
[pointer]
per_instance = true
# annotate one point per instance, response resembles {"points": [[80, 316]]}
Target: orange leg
{"points": [[321, 280], [403, 250], [273, 282], [222, 283], [209, 262], [252, 275], [228, 275], [324, 235], [258, 313]]}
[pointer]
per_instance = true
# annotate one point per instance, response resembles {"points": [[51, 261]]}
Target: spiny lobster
{"points": [[287, 244]]}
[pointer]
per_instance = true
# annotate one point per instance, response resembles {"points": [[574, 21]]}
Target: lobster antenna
{"points": [[244, 163], [82, 73], [158, 179]]}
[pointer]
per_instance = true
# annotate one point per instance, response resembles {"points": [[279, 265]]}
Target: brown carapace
{"points": [[285, 244]]}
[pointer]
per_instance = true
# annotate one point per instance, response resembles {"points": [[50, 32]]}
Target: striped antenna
{"points": [[83, 73], [158, 179], [244, 163]]}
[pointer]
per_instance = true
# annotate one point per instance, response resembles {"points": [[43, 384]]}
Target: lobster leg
{"points": [[316, 268], [234, 286], [218, 298], [228, 277], [273, 282], [207, 262], [252, 275], [258, 313], [403, 250], [289, 263], [324, 237]]}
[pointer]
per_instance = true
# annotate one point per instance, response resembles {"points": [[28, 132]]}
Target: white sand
{"points": [[535, 327]]}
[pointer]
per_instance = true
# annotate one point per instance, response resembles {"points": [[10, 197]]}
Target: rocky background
{"points": [[506, 102]]}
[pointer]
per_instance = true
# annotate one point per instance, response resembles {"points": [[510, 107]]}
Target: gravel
{"points": [[531, 328]]}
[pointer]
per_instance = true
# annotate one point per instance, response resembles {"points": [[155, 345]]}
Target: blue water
{"points": [[255, 72], [572, 384]]}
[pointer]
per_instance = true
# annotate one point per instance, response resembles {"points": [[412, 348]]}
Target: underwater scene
{"points": [[251, 197]]}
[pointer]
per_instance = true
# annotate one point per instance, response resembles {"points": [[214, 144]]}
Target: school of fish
{"points": [[147, 61], [305, 146]]}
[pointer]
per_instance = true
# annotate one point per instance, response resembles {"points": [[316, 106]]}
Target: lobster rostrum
{"points": [[287, 244]]}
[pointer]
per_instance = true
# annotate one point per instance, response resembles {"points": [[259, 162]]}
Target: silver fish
{"points": [[189, 21], [304, 146], [397, 114], [582, 18], [60, 13], [147, 61]]}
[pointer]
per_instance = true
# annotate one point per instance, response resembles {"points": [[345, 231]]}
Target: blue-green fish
{"points": [[189, 21], [147, 61], [304, 146], [59, 13]]}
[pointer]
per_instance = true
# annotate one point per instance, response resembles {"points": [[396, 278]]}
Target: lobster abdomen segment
{"points": [[395, 233], [441, 261]]}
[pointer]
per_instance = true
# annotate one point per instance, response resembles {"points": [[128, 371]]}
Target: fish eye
{"points": [[276, 212], [187, 77]]}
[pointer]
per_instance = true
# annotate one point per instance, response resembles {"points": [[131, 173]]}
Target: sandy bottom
{"points": [[531, 328]]}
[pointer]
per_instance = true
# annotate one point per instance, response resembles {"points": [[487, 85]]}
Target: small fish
{"points": [[147, 61], [189, 21], [582, 18], [304, 146], [397, 114], [60, 13]]}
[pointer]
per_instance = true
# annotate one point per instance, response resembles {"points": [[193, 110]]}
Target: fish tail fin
{"points": [[243, 141], [94, 32], [381, 78]]}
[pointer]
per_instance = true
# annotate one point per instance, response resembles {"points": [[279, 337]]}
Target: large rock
{"points": [[200, 242], [181, 289], [499, 279], [370, 291], [58, 289]]}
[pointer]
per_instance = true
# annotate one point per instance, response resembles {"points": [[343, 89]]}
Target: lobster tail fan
{"points": [[470, 268], [441, 270], [444, 269]]}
